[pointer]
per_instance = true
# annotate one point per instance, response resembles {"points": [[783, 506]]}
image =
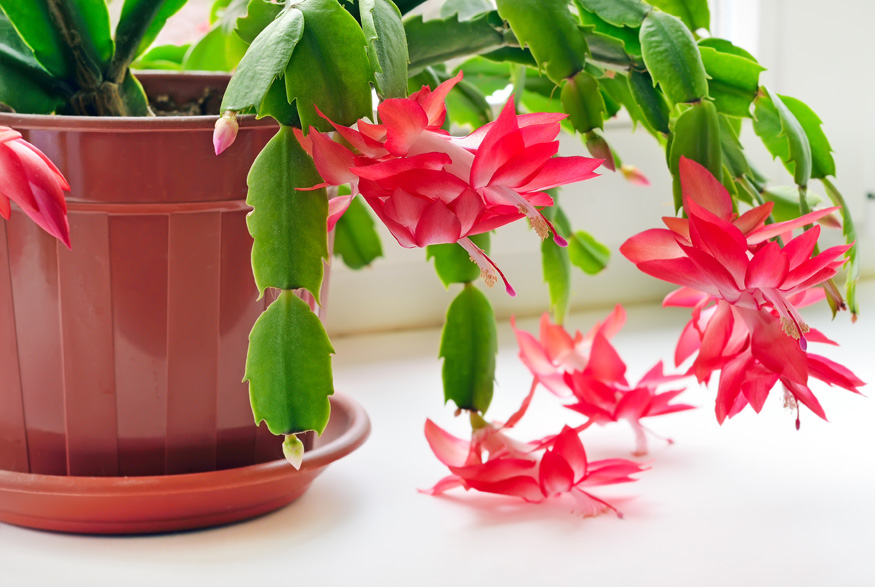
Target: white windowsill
{"points": [[752, 503]]}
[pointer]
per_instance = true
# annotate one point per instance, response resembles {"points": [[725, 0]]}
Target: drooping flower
{"points": [[731, 257], [753, 355], [745, 290], [428, 187], [589, 372], [556, 468], [33, 182]]}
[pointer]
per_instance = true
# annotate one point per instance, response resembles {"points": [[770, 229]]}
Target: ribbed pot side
{"points": [[125, 355]]}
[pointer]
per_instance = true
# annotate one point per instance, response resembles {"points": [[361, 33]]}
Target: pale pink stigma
{"points": [[489, 271], [539, 222], [791, 322]]}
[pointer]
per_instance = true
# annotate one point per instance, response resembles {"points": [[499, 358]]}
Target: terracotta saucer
{"points": [[139, 505]]}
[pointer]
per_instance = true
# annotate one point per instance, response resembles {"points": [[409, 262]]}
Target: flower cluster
{"points": [[587, 372], [33, 182], [429, 188], [745, 290]]}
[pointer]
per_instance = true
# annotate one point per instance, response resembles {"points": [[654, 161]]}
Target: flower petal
{"points": [[404, 121], [754, 218], [800, 248], [561, 171], [501, 142], [451, 451], [555, 475], [768, 267], [332, 160], [570, 448], [437, 225], [523, 164], [432, 102], [772, 230], [388, 168], [650, 245], [700, 186]]}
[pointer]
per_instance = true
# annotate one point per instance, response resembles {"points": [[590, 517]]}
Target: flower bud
{"points": [[634, 175], [293, 450], [225, 131], [599, 148]]}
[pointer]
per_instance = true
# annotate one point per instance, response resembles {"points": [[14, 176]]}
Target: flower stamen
{"points": [[539, 222], [489, 271]]}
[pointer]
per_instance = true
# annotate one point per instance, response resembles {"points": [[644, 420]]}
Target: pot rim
{"points": [[122, 123], [21, 121]]}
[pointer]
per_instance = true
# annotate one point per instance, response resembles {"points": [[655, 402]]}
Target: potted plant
{"points": [[312, 65]]}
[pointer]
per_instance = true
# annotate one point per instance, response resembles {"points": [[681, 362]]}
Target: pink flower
{"points": [[604, 400], [225, 131], [745, 290], [557, 353], [33, 182], [731, 257], [561, 469], [430, 188], [588, 370], [752, 354]]}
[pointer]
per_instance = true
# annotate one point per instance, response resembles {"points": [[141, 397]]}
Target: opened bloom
{"points": [[604, 401], [730, 257], [556, 352], [428, 187], [745, 290], [588, 371], [558, 467], [33, 182], [753, 355]]}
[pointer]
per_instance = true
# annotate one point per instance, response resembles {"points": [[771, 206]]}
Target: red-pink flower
{"points": [[731, 257], [753, 355], [430, 188], [557, 352], [604, 400], [745, 290], [589, 370], [33, 182], [561, 469]]}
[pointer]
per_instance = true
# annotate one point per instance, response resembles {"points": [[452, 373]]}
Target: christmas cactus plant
{"points": [[369, 96]]}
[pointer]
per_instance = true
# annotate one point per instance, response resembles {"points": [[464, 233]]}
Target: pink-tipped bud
{"points": [[225, 131], [599, 148], [634, 175]]}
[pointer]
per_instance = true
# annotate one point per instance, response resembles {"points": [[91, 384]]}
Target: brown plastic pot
{"points": [[124, 356]]}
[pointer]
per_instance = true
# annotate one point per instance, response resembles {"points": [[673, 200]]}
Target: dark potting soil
{"points": [[206, 104]]}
